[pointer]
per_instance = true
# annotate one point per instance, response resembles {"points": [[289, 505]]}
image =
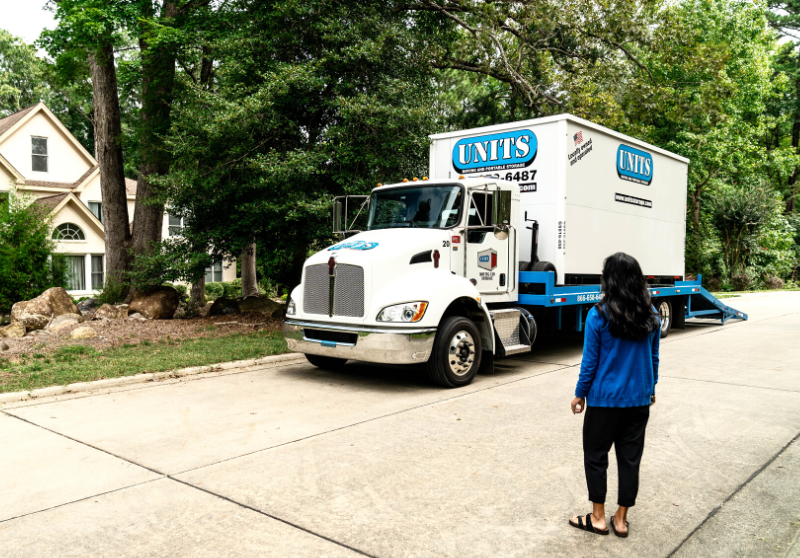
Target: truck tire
{"points": [[456, 354], [523, 266], [326, 363], [664, 308]]}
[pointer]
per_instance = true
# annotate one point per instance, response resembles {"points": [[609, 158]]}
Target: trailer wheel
{"points": [[456, 354], [665, 313], [326, 363]]}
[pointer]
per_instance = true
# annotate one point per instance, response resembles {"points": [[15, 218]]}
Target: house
{"points": [[40, 157]]}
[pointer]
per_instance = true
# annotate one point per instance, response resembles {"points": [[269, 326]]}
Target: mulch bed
{"points": [[114, 333]]}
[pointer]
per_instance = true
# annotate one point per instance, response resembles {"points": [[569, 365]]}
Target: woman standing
{"points": [[619, 372]]}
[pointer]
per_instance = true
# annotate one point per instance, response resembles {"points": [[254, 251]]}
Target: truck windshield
{"points": [[426, 207]]}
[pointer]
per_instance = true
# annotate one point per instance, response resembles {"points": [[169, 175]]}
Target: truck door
{"points": [[486, 257]]}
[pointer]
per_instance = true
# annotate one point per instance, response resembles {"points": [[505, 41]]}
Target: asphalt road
{"points": [[376, 461]]}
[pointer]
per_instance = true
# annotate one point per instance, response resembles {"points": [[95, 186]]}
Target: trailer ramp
{"points": [[703, 305]]}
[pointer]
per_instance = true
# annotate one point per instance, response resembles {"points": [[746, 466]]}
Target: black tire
{"points": [[457, 341], [523, 266], [326, 363], [543, 266], [664, 309]]}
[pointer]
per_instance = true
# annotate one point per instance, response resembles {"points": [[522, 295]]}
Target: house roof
{"points": [[10, 120], [50, 202]]}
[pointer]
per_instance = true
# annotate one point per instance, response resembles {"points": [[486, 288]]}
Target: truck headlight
{"points": [[291, 309], [406, 312]]}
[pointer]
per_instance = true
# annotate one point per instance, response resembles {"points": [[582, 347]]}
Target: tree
{"points": [[28, 264], [21, 75], [308, 100]]}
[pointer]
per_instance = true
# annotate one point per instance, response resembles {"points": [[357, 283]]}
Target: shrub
{"points": [[773, 283], [233, 289], [28, 264], [214, 291], [114, 291], [714, 284], [741, 282]]}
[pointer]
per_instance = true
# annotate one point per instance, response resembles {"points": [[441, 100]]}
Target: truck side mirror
{"points": [[346, 213], [337, 216], [501, 213]]}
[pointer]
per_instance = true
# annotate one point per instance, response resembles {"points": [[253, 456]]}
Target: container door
{"points": [[486, 256]]}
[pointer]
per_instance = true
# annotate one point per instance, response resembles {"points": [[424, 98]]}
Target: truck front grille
{"points": [[348, 290]]}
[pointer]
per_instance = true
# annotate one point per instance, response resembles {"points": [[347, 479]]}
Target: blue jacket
{"points": [[617, 372]]}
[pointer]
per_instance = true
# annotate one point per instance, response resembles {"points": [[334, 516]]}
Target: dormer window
{"points": [[39, 153]]}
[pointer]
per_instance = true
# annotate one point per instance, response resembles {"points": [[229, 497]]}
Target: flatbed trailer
{"points": [[697, 302]]}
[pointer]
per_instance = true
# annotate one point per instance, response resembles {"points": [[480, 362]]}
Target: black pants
{"points": [[623, 427]]}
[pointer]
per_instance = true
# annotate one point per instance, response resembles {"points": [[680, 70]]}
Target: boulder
{"points": [[156, 304], [14, 330], [136, 316], [64, 321], [88, 305], [39, 333], [108, 312], [224, 307], [3, 346], [83, 332], [37, 312]]}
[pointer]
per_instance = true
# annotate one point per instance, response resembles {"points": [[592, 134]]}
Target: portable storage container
{"points": [[593, 192]]}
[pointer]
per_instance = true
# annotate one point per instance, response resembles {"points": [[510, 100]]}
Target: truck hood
{"points": [[390, 247]]}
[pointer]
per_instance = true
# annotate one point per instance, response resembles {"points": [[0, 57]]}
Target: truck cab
{"points": [[427, 281]]}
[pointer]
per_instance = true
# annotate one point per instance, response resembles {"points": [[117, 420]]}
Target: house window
{"points": [[97, 273], [175, 225], [76, 273], [39, 153], [214, 273], [68, 231], [97, 210]]}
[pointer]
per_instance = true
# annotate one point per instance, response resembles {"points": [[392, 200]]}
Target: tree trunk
{"points": [[108, 146], [198, 295], [249, 282], [158, 80]]}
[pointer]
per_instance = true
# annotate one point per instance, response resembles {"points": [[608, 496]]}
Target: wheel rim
{"points": [[462, 353], [663, 312]]}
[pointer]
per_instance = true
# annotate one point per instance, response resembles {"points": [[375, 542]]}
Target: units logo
{"points": [[487, 259], [355, 245], [634, 165], [495, 152]]}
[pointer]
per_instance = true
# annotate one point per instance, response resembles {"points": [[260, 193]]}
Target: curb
{"points": [[17, 396]]}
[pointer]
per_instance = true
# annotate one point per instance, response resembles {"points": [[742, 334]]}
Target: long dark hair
{"points": [[626, 303]]}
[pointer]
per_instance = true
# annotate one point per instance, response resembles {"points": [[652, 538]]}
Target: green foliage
{"points": [[28, 263], [214, 290], [114, 291], [21, 75]]}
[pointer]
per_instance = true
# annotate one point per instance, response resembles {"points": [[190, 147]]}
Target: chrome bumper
{"points": [[388, 345]]}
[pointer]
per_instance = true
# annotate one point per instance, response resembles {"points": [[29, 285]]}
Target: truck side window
{"points": [[480, 210]]}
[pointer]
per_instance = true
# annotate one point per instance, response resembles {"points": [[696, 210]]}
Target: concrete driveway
{"points": [[292, 461]]}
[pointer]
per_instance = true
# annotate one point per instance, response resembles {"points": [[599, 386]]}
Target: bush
{"points": [[214, 291], [114, 292], [233, 289], [714, 284], [28, 264], [741, 282], [773, 283]]}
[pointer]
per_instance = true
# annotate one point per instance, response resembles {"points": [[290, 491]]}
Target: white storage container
{"points": [[592, 190]]}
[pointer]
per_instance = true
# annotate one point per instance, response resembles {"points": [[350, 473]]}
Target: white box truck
{"points": [[507, 238]]}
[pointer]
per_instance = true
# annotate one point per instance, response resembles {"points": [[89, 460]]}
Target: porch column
{"points": [[88, 266]]}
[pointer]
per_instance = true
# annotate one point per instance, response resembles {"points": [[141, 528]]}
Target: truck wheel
{"points": [[664, 307], [543, 266], [456, 354], [326, 363]]}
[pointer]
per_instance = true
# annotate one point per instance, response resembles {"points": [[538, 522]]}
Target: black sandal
{"points": [[588, 527], [617, 533]]}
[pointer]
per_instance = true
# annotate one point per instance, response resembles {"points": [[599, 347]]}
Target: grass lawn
{"points": [[80, 363]]}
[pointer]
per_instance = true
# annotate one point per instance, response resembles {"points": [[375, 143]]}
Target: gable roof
{"points": [[11, 123], [49, 203], [10, 120], [18, 178]]}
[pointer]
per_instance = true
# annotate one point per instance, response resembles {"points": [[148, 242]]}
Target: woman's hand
{"points": [[652, 400], [578, 404]]}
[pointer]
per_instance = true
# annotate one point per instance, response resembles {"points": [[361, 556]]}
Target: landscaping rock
{"points": [[224, 307], [39, 333], [64, 321], [13, 331], [108, 312], [156, 304], [37, 313], [88, 305], [84, 332], [3, 346], [136, 316]]}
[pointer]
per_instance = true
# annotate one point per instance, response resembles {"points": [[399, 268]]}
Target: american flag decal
{"points": [[578, 138]]}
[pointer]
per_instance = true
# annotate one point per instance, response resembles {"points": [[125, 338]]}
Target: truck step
{"points": [[506, 324]]}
